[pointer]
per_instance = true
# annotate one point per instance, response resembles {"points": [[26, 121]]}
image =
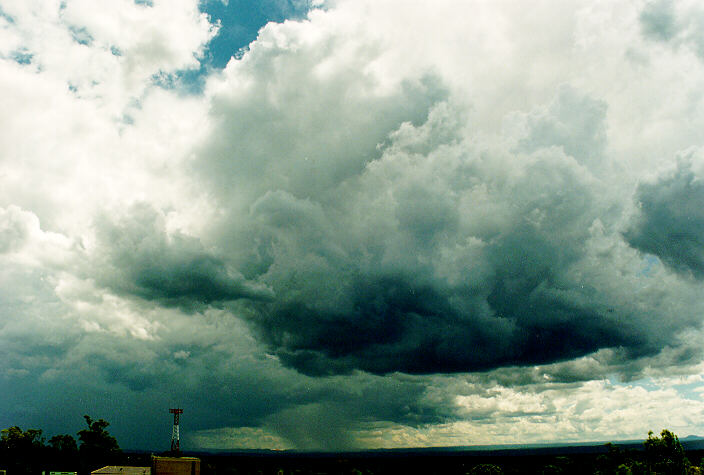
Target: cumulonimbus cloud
{"points": [[404, 242], [380, 187]]}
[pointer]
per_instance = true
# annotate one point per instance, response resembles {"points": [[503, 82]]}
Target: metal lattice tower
{"points": [[175, 446]]}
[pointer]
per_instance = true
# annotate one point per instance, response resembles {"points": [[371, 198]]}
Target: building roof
{"points": [[122, 470], [175, 459]]}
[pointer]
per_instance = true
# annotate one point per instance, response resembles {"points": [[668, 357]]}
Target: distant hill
{"points": [[691, 442]]}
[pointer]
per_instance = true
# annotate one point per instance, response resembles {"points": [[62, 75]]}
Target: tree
{"points": [[665, 454], [15, 439], [63, 443], [486, 469], [22, 451], [64, 451], [552, 470], [612, 460], [98, 447]]}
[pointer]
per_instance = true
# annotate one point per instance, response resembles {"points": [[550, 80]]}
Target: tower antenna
{"points": [[175, 445]]}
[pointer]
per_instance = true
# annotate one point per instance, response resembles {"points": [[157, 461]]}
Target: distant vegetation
{"points": [[27, 452]]}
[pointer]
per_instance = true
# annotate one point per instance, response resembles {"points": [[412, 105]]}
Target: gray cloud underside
{"points": [[670, 219], [441, 256], [142, 260], [429, 253], [367, 228]]}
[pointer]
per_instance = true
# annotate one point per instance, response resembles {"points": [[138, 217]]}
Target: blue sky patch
{"points": [[240, 20], [22, 57]]}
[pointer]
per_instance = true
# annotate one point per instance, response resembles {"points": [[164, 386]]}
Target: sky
{"points": [[352, 224]]}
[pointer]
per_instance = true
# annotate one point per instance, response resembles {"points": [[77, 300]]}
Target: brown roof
{"points": [[113, 469]]}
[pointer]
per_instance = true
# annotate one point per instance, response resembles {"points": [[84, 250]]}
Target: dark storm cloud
{"points": [[392, 240], [132, 384], [670, 220], [432, 254], [331, 415], [141, 259]]}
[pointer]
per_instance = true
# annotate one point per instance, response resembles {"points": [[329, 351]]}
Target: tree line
{"points": [[27, 452], [659, 455]]}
